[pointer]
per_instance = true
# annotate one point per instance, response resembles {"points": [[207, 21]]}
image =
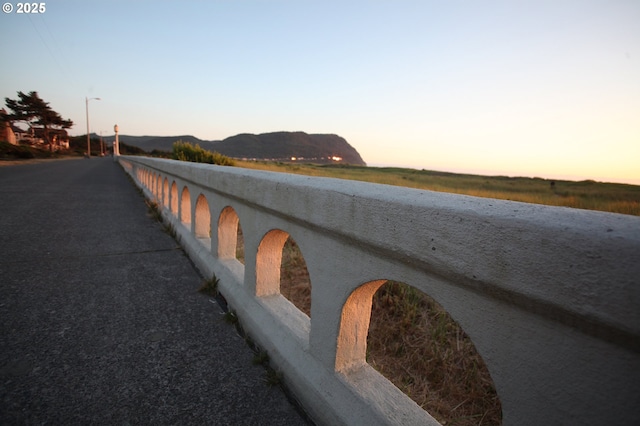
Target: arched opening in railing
{"points": [[165, 193], [414, 342], [295, 284], [228, 229], [240, 244], [202, 226], [268, 262], [185, 206], [281, 269], [157, 184], [174, 199]]}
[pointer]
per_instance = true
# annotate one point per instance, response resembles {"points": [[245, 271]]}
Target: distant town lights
{"points": [[334, 158]]}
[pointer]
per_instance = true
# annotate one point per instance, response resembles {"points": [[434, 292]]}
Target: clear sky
{"points": [[519, 88]]}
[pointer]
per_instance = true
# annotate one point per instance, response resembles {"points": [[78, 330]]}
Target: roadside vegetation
{"points": [[184, 151], [416, 344], [23, 152]]}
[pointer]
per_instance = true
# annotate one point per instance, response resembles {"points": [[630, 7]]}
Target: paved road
{"points": [[100, 319]]}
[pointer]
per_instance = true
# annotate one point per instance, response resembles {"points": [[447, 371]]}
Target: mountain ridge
{"points": [[274, 146]]}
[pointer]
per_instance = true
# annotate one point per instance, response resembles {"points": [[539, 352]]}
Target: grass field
{"points": [[608, 197]]}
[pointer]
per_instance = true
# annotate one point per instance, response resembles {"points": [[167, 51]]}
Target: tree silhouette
{"points": [[33, 110]]}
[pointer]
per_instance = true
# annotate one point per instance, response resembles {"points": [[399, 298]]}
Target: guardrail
{"points": [[550, 296]]}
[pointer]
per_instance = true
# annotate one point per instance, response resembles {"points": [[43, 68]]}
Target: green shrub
{"points": [[184, 151]]}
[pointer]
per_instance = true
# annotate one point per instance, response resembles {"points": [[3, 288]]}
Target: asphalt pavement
{"points": [[101, 322]]}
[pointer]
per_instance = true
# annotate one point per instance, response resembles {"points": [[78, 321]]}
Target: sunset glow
{"points": [[535, 88]]}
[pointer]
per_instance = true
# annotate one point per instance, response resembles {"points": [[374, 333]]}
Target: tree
{"points": [[31, 109]]}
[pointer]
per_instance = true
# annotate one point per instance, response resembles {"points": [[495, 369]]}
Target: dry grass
{"points": [[240, 245], [416, 344], [295, 284]]}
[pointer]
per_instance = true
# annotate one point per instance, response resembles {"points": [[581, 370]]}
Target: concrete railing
{"points": [[549, 296]]}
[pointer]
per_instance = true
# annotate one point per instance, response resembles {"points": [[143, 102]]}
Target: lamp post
{"points": [[86, 102]]}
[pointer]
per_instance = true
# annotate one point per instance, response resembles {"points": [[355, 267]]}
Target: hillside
{"points": [[278, 146]]}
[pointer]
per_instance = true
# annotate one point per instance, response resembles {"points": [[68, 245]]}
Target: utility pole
{"points": [[86, 103]]}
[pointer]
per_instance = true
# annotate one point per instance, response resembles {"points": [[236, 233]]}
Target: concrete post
{"points": [[116, 144]]}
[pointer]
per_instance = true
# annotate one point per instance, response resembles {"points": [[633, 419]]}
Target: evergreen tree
{"points": [[33, 110]]}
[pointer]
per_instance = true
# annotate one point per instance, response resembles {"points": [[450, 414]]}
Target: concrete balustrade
{"points": [[550, 296]]}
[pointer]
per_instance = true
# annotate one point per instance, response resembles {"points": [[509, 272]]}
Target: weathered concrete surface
{"points": [[100, 320]]}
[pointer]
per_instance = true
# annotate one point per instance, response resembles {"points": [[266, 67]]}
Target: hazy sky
{"points": [[527, 88]]}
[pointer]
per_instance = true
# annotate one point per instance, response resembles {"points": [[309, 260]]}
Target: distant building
{"points": [[59, 138], [22, 136], [35, 136]]}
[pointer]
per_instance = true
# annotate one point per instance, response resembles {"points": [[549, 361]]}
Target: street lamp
{"points": [[86, 101]]}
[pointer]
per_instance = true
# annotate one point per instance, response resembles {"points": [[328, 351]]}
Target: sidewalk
{"points": [[100, 318]]}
